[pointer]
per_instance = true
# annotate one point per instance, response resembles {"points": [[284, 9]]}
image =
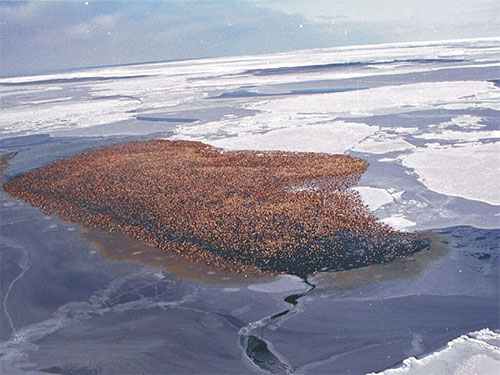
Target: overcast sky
{"points": [[40, 36]]}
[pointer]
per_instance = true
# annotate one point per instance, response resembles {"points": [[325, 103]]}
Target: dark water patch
{"points": [[148, 291], [496, 82], [70, 370], [71, 80], [280, 314], [123, 299], [326, 90], [431, 61], [481, 256], [293, 298], [257, 350], [239, 94], [166, 119], [312, 91]]}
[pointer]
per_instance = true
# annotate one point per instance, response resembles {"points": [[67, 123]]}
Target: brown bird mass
{"points": [[271, 212]]}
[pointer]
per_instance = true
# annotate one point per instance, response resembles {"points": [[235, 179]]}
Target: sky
{"points": [[42, 36]]}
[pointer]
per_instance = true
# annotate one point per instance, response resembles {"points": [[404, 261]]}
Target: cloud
{"points": [[398, 20], [105, 20], [39, 36], [98, 25], [45, 36]]}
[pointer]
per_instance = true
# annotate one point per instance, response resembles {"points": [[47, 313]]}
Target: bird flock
{"points": [[245, 211]]}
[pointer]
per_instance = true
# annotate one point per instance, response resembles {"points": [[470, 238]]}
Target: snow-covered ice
{"points": [[382, 145], [461, 136], [477, 353], [398, 222], [470, 171], [283, 283], [374, 198], [333, 138]]}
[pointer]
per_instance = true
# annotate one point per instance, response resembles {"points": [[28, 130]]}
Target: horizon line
{"points": [[344, 47]]}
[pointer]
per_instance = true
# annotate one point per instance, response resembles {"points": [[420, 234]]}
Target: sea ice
{"points": [[398, 222], [382, 145], [372, 101], [398, 80], [64, 115], [465, 121], [460, 136], [469, 171], [283, 283], [374, 198], [475, 353], [333, 138]]}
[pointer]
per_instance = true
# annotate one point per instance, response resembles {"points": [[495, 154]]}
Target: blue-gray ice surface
{"points": [[424, 115]]}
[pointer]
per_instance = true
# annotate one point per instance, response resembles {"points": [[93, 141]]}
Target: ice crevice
{"points": [[23, 265], [262, 353]]}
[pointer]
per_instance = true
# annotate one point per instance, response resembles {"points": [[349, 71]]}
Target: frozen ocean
{"points": [[424, 115]]}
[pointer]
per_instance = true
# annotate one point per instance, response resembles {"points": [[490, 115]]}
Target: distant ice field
{"points": [[424, 115]]}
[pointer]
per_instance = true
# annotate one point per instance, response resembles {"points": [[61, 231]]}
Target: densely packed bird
{"points": [[265, 212]]}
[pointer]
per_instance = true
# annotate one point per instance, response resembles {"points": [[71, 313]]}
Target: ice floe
{"points": [[475, 353], [283, 283], [64, 115], [461, 136], [374, 198], [398, 221], [464, 121], [382, 145], [333, 138], [469, 171]]}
